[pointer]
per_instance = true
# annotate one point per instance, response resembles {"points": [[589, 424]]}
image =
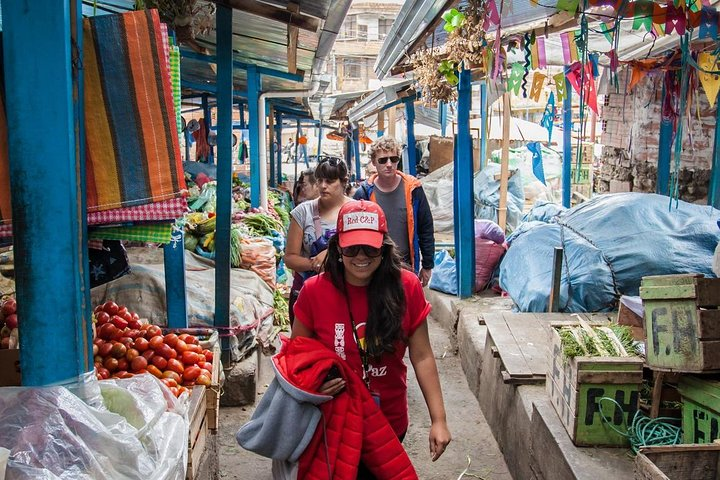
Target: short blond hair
{"points": [[384, 144]]}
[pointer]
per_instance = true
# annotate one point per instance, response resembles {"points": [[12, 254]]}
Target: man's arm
{"points": [[361, 192]]}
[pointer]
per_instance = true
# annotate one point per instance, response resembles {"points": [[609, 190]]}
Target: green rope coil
{"points": [[643, 430]]}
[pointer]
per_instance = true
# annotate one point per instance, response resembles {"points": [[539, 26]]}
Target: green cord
{"points": [[643, 430]]}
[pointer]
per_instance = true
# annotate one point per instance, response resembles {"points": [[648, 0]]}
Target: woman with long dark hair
{"points": [[369, 311]]}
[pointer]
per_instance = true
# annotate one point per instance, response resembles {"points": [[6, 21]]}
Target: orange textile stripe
{"points": [[100, 153], [5, 207]]}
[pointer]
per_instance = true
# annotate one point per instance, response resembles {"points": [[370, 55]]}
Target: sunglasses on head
{"points": [[353, 250], [333, 162], [384, 160]]}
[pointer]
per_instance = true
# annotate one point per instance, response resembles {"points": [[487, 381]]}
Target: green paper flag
{"points": [[643, 15], [514, 81], [560, 86], [568, 5], [606, 28]]}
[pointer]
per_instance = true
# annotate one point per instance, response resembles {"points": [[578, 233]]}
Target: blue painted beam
{"points": [[356, 153], [483, 123], [662, 187], [320, 133], [175, 293], [269, 72], [46, 182], [243, 124], [291, 111], [278, 152], [464, 205], [224, 173], [410, 125], [714, 190], [254, 134], [209, 88], [208, 126], [567, 146], [442, 111]]}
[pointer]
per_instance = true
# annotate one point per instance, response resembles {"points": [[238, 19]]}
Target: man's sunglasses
{"points": [[353, 250], [384, 160]]}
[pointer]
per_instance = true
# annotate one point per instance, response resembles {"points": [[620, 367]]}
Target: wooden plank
{"points": [[196, 411], [213, 392], [645, 469], [292, 35], [708, 292], [668, 293], [709, 324], [659, 377], [504, 162], [609, 377], [265, 10], [510, 354], [195, 453], [532, 340]]}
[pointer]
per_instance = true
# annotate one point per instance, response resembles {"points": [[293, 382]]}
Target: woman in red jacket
{"points": [[369, 310]]}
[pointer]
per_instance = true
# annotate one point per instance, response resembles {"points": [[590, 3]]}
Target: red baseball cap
{"points": [[361, 222]]}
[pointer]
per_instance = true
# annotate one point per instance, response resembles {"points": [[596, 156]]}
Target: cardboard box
{"points": [[10, 368], [441, 152]]}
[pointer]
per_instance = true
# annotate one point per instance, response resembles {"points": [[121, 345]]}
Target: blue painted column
{"points": [[483, 123], [320, 133], [188, 135], [271, 143], [662, 187], [464, 201], [175, 293], [208, 124], [714, 190], [253, 81], [567, 146], [410, 118], [224, 173], [46, 179], [442, 111], [278, 153], [356, 153]]}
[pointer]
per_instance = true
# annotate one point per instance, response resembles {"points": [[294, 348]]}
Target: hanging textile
{"points": [[153, 232], [133, 152], [175, 79]]}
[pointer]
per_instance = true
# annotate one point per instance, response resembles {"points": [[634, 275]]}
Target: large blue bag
{"points": [[444, 275]]}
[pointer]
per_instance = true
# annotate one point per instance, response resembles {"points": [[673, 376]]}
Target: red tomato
{"points": [[191, 373], [122, 310], [102, 318], [176, 366], [166, 351], [208, 355], [111, 308], [96, 349], [141, 344], [123, 364], [111, 364], [159, 361], [153, 331], [11, 321], [136, 317], [153, 370], [127, 316], [203, 379], [181, 390], [181, 346], [131, 354], [103, 372], [171, 340], [192, 347], [170, 382], [104, 349], [119, 322], [97, 360], [155, 342], [190, 358], [148, 354], [118, 350], [135, 324], [138, 363], [207, 366], [173, 375], [175, 391], [98, 341], [98, 309]]}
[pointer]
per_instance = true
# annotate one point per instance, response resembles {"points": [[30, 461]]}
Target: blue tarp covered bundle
{"points": [[487, 196], [609, 244]]}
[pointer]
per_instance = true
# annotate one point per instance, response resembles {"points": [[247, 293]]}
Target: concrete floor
{"points": [[472, 444]]}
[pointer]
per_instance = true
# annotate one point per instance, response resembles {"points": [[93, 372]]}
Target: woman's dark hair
{"points": [[332, 169], [305, 176], [385, 294]]}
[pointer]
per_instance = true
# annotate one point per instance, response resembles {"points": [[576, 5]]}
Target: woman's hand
{"points": [[439, 439], [332, 387], [318, 261]]}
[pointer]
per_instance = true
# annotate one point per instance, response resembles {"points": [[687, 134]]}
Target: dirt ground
{"points": [[472, 443]]}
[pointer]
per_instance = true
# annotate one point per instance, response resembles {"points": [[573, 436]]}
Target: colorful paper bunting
{"points": [[710, 82], [537, 165], [608, 32], [559, 80], [674, 20], [583, 83], [496, 67], [568, 5], [492, 13], [643, 15], [538, 53], [569, 47], [537, 86], [515, 79], [708, 23], [548, 118]]}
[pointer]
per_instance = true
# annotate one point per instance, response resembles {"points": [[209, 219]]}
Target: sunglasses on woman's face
{"points": [[384, 160], [353, 250]]}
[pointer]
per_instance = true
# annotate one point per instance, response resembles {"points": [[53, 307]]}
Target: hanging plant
{"points": [[466, 39], [189, 18], [434, 76], [453, 20]]}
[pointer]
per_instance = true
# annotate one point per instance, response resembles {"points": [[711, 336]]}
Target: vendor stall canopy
{"points": [[262, 32], [419, 24]]}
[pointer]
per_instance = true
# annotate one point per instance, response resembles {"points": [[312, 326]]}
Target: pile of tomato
{"points": [[8, 323], [125, 346]]}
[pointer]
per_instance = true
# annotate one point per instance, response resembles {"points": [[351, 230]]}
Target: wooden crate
{"points": [[197, 412], [682, 322], [678, 462], [213, 392], [575, 387], [700, 410]]}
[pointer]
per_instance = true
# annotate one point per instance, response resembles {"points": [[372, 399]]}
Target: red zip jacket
{"points": [[352, 428]]}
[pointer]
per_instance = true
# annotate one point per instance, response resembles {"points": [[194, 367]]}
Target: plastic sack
{"points": [[610, 243], [487, 256], [258, 255], [140, 431], [487, 196], [489, 230], [444, 276], [438, 187], [544, 212]]}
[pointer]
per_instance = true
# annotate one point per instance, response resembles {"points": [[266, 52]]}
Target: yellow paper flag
{"points": [[537, 86], [710, 82]]}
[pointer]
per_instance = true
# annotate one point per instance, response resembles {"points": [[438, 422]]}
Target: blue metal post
{"points": [[714, 190], [356, 153], [320, 133], [175, 294], [464, 205], [224, 172], [662, 186], [46, 181], [272, 145], [410, 119], [278, 153], [243, 125], [442, 107], [208, 125], [187, 145], [253, 81], [567, 145], [483, 123]]}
